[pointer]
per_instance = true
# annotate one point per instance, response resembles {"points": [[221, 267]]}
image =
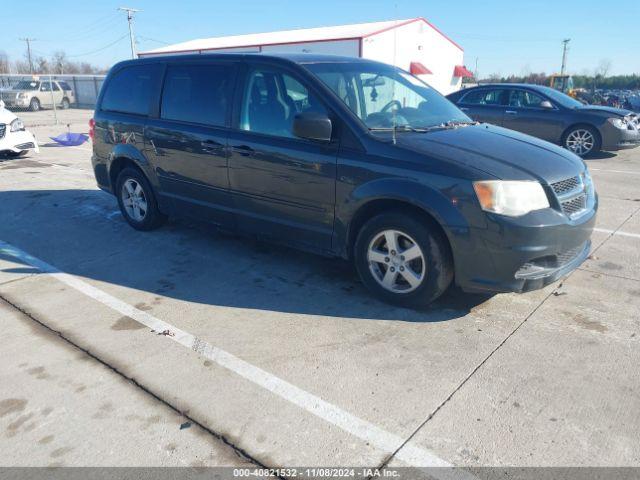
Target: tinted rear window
{"points": [[64, 86], [197, 93], [130, 90]]}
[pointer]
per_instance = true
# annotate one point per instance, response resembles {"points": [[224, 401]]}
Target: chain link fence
{"points": [[44, 99]]}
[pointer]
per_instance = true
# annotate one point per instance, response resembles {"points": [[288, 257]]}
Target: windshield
{"points": [[26, 85], [385, 97], [561, 98]]}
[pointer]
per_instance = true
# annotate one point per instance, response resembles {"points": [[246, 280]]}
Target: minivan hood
{"points": [[496, 151]]}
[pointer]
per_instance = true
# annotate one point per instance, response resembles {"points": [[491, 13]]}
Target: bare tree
{"points": [[42, 65], [603, 68], [58, 64], [4, 63], [21, 66], [59, 61]]}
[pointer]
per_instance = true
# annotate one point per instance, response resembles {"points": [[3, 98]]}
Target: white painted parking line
{"points": [[616, 232], [626, 172], [375, 436]]}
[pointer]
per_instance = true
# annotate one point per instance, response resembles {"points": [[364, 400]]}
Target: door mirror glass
{"points": [[312, 126], [546, 104]]}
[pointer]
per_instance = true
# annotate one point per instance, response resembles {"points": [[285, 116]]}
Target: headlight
{"points": [[22, 95], [620, 123], [17, 125], [511, 198]]}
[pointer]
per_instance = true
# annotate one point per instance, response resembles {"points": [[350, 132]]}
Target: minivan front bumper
{"points": [[523, 254]]}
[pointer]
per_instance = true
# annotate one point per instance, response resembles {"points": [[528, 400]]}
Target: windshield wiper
{"points": [[398, 128]]}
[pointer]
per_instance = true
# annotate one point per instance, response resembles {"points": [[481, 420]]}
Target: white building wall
{"points": [[418, 42], [349, 48]]}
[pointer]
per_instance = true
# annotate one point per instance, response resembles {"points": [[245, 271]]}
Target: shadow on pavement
{"points": [[82, 233]]}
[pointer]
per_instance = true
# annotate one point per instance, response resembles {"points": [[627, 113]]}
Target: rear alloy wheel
{"points": [[403, 259], [34, 105], [137, 201], [582, 141]]}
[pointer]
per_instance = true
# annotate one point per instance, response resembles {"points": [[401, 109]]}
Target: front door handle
{"points": [[511, 112], [244, 150], [211, 146]]}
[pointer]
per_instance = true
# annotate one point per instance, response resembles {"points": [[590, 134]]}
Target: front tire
{"points": [[137, 201], [582, 140], [34, 105], [403, 259]]}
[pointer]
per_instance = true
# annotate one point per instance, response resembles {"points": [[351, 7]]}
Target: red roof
{"points": [[461, 71], [416, 68]]}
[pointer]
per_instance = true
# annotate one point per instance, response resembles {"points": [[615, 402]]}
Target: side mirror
{"points": [[312, 126], [546, 104]]}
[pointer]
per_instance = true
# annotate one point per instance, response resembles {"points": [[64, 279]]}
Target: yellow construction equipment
{"points": [[563, 83]]}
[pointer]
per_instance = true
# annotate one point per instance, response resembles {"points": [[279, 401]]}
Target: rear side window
{"points": [[524, 99], [130, 90], [485, 97], [64, 86], [198, 93]]}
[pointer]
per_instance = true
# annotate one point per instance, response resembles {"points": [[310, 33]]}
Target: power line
{"points": [[153, 40], [101, 48], [97, 31], [130, 12]]}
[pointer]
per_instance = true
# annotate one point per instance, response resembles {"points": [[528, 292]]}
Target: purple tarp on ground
{"points": [[70, 139]]}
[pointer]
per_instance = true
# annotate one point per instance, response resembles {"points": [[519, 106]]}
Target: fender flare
{"points": [[423, 197]]}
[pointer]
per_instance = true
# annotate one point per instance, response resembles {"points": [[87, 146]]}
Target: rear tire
{"points": [[582, 140], [65, 104], [137, 200], [34, 105], [403, 259]]}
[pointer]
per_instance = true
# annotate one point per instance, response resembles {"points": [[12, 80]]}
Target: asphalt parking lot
{"points": [[183, 346]]}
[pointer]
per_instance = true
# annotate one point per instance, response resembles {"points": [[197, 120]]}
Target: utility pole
{"points": [[130, 12], [565, 44], [29, 40], [475, 71]]}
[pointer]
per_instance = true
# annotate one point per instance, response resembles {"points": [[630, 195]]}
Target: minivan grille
{"points": [[575, 205], [566, 186], [572, 195], [3, 130]]}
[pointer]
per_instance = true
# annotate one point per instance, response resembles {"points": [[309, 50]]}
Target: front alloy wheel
{"points": [[396, 261], [580, 141], [403, 258]]}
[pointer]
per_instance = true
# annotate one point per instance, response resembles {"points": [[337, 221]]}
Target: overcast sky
{"points": [[505, 36]]}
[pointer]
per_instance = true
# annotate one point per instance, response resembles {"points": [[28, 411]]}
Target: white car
{"points": [[15, 140]]}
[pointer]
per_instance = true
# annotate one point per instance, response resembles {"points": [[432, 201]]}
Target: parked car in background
{"points": [[37, 94], [345, 157], [551, 115], [15, 140]]}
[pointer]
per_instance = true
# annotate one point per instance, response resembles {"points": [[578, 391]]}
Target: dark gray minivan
{"points": [[344, 157]]}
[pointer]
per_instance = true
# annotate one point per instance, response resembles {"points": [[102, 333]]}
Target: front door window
{"points": [[271, 101]]}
